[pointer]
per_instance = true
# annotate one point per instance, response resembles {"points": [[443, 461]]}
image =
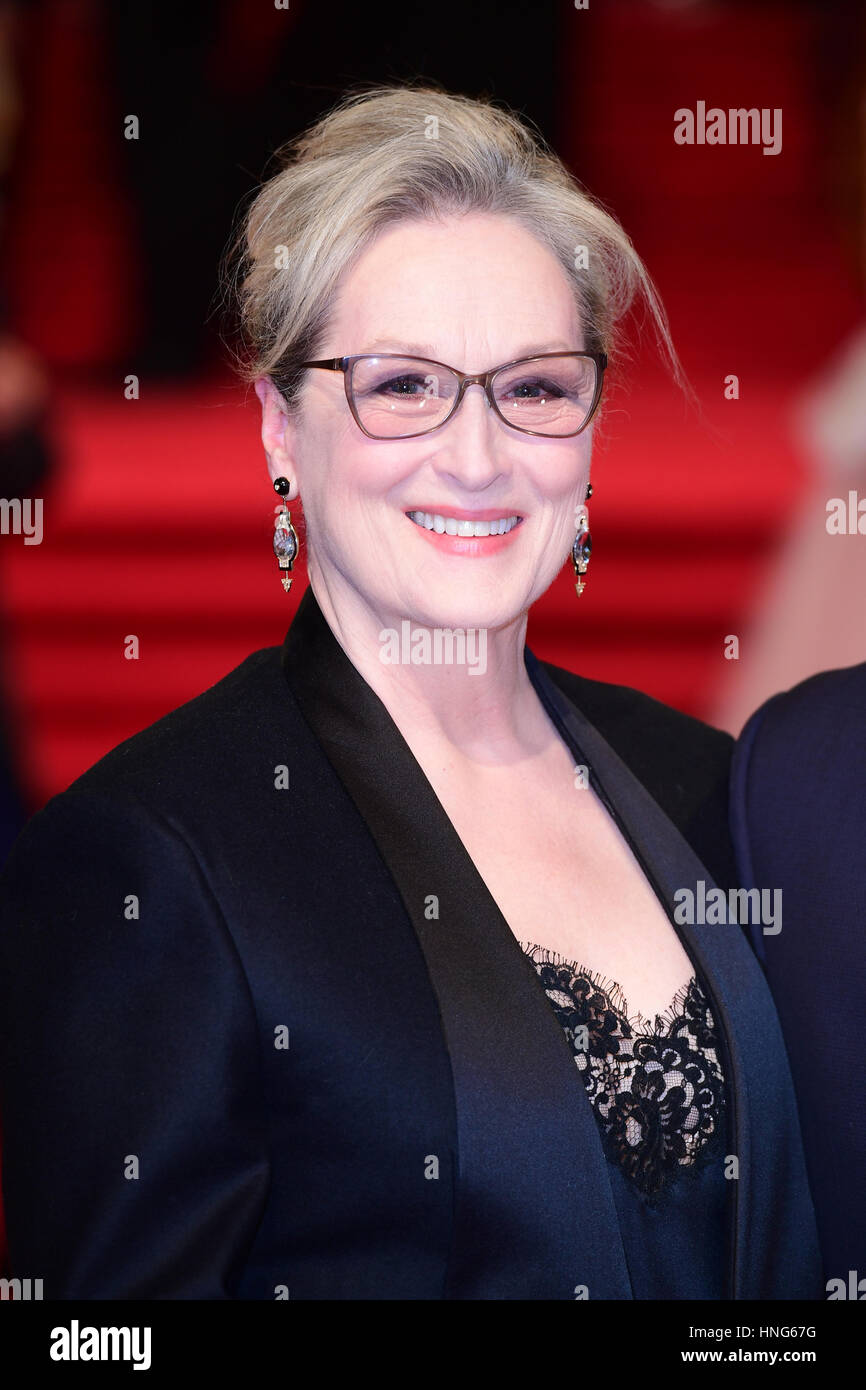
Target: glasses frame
{"points": [[464, 379]]}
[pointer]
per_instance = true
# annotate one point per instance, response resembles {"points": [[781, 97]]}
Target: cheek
{"points": [[325, 469], [351, 487], [379, 475], [558, 476]]}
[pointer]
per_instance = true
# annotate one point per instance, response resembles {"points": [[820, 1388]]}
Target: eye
{"points": [[534, 388], [404, 385]]}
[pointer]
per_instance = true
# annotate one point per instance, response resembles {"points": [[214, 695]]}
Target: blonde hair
{"points": [[388, 153]]}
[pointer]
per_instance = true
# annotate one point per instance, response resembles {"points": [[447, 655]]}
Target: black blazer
{"points": [[240, 1061], [798, 817]]}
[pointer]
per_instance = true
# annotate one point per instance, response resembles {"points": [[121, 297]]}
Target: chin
{"points": [[463, 610]]}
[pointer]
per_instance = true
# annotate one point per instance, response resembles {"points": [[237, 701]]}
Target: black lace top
{"points": [[656, 1086], [657, 1092]]}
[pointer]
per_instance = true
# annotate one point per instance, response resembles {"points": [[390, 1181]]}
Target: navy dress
{"points": [[657, 1090], [656, 1087]]}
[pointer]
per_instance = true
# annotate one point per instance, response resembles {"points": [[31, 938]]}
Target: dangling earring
{"points": [[285, 535], [581, 551]]}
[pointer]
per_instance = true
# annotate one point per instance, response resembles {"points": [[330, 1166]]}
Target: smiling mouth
{"points": [[452, 526]]}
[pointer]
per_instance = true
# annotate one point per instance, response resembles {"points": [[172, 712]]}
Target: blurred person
{"points": [[25, 463], [26, 454], [811, 615], [798, 819], [369, 978]]}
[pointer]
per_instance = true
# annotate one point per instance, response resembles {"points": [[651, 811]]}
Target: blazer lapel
{"points": [[772, 1243]]}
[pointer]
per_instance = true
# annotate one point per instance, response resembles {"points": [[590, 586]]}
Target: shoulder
{"points": [[809, 735], [142, 826], [206, 731], [683, 762], [828, 706], [647, 734], [176, 778]]}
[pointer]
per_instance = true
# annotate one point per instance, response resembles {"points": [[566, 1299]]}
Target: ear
{"points": [[279, 435]]}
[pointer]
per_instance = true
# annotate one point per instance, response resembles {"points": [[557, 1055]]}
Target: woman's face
{"points": [[474, 291]]}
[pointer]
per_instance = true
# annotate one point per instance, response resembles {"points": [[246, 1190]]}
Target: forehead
{"points": [[475, 278]]}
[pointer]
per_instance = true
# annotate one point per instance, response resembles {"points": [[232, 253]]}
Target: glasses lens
{"points": [[399, 396], [549, 395]]}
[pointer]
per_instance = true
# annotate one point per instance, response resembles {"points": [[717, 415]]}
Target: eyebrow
{"points": [[426, 350]]}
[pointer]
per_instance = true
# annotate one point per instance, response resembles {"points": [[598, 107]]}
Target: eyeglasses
{"points": [[391, 396]]}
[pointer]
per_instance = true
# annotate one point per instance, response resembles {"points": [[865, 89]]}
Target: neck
{"points": [[475, 701]]}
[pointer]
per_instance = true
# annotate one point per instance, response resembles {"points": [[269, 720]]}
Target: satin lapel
{"points": [[761, 1239], [534, 1212]]}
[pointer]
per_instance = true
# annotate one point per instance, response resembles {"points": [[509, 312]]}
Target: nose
{"points": [[475, 381], [470, 444]]}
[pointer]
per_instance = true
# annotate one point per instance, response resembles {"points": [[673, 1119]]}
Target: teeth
{"points": [[450, 526]]}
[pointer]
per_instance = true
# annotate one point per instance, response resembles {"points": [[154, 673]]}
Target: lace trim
{"points": [[656, 1086]]}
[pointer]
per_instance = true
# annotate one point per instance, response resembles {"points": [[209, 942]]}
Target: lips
{"points": [[483, 547], [468, 526]]}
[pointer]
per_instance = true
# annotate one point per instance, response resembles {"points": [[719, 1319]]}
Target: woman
{"points": [[358, 976]]}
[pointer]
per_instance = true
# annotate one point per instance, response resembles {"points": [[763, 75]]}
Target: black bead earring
{"points": [[285, 535]]}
